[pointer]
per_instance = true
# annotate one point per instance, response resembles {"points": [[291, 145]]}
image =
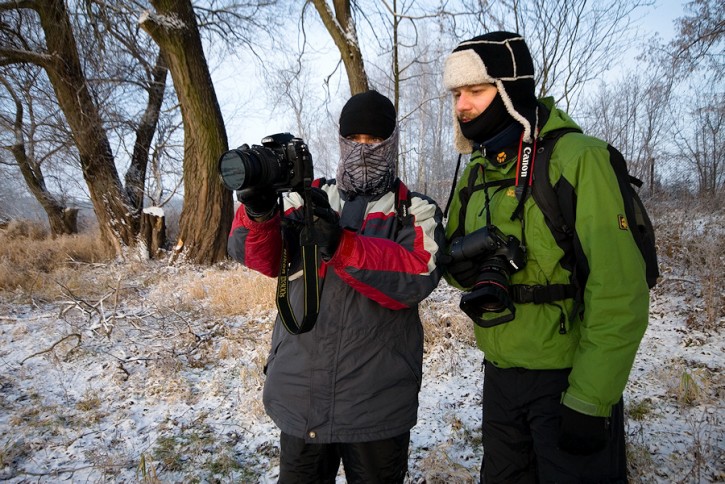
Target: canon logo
{"points": [[525, 158]]}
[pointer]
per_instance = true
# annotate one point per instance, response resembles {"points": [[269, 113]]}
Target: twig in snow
{"points": [[78, 343]]}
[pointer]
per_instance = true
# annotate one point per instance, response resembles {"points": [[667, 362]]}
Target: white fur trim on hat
{"points": [[465, 68]]}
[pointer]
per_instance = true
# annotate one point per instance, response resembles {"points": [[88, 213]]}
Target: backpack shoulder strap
{"points": [[543, 191], [561, 221]]}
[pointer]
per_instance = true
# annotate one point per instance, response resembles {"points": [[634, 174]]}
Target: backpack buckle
{"points": [[523, 294]]}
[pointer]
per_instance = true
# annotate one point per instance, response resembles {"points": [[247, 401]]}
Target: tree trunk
{"points": [[59, 218], [136, 174], [153, 232], [207, 214], [116, 220]]}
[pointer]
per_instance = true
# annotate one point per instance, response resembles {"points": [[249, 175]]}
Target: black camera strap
{"points": [[311, 280], [312, 291]]}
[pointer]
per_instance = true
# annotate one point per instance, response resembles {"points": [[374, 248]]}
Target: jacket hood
{"points": [[558, 119]]}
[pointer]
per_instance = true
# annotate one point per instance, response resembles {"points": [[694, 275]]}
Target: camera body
{"points": [[499, 256], [281, 162]]}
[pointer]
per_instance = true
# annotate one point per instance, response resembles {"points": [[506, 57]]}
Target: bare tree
{"points": [[86, 88], [633, 115], [700, 141], [26, 149], [700, 36], [60, 59]]}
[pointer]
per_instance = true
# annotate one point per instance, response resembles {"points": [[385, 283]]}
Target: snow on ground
{"points": [[149, 387]]}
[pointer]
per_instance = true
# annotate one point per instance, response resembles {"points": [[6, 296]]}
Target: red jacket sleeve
{"points": [[257, 245]]}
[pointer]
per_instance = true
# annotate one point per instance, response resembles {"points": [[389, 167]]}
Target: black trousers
{"points": [[521, 418], [381, 461]]}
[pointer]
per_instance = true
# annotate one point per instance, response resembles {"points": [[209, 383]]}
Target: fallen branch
{"points": [[78, 343]]}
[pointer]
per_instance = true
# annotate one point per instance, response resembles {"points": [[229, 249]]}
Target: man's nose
{"points": [[463, 103]]}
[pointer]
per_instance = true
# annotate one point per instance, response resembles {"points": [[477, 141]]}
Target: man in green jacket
{"points": [[558, 351]]}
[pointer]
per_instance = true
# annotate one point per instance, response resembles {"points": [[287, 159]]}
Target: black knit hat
{"points": [[368, 113], [502, 59]]}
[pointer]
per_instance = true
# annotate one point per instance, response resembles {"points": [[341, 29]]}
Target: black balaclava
{"points": [[487, 125], [367, 169], [501, 59]]}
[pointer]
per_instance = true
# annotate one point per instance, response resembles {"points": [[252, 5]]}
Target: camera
{"points": [[499, 256], [282, 162]]}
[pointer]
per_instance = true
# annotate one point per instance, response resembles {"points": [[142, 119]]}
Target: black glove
{"points": [[582, 434], [465, 272], [258, 201], [325, 230]]}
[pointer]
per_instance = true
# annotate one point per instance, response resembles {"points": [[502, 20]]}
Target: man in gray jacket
{"points": [[347, 390]]}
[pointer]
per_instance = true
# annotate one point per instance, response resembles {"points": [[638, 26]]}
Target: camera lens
{"points": [[491, 290], [247, 167]]}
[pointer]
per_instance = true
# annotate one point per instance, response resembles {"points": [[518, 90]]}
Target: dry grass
{"points": [[220, 292], [32, 262], [444, 323], [240, 291], [440, 468], [690, 247]]}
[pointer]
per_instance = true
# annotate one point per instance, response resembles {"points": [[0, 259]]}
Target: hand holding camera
{"points": [[465, 271], [259, 202], [283, 163], [259, 173], [325, 230]]}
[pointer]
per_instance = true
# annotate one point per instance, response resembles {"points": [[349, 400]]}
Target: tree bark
{"points": [[153, 232], [208, 208]]}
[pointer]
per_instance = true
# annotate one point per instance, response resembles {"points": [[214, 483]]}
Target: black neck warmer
{"points": [[509, 136], [489, 123]]}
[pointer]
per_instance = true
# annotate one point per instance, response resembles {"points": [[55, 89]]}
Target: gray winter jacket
{"points": [[356, 375]]}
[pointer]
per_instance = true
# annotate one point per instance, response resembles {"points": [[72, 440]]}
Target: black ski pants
{"points": [[521, 419], [382, 461]]}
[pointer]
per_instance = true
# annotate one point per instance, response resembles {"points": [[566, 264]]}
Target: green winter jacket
{"points": [[601, 346]]}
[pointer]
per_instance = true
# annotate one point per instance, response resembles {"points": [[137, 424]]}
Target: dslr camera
{"points": [[499, 256], [282, 162]]}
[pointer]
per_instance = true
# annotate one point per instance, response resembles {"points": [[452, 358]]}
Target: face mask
{"points": [[367, 169], [489, 123]]}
